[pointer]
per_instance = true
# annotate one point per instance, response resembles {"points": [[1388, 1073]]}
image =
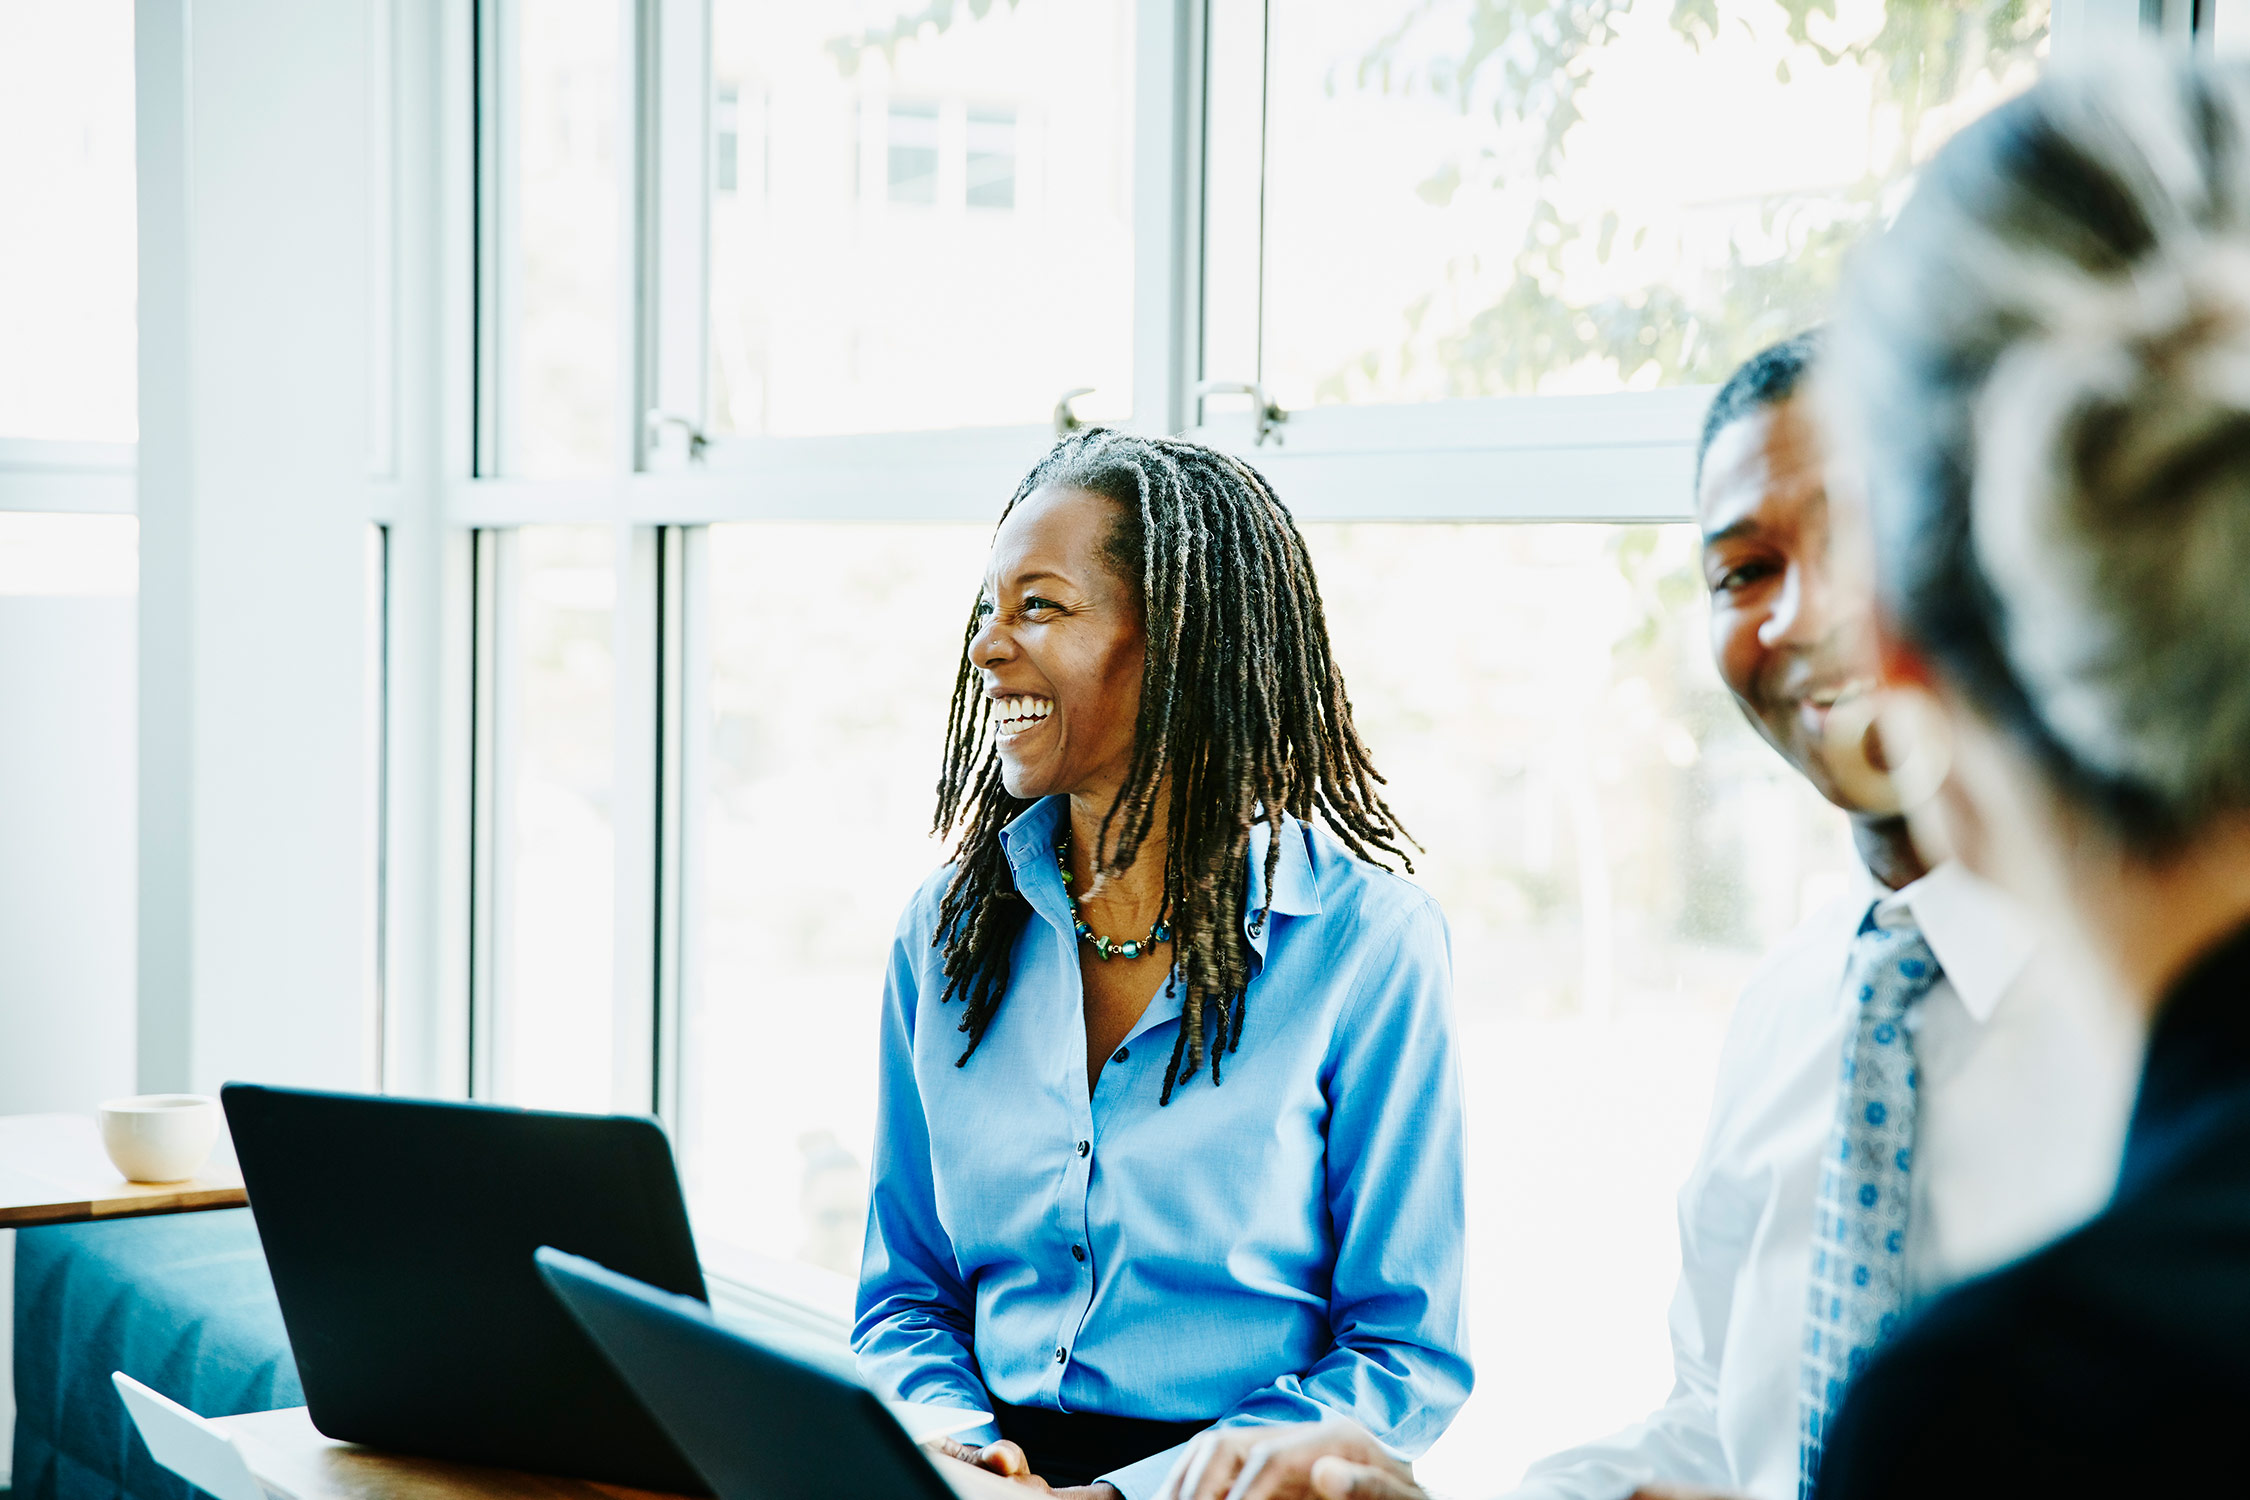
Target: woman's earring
{"points": [[1889, 751]]}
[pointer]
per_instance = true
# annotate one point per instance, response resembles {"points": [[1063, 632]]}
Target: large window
{"points": [[777, 302], [67, 260], [554, 219], [832, 651], [1471, 198], [67, 770], [551, 1023], [1613, 846], [920, 217], [1614, 849]]}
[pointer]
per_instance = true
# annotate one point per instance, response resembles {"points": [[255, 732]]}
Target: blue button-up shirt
{"points": [[1282, 1246]]}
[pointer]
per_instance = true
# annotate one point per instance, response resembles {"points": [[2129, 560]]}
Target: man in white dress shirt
{"points": [[2014, 1120]]}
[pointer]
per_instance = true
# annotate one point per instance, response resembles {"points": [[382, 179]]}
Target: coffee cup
{"points": [[160, 1137]]}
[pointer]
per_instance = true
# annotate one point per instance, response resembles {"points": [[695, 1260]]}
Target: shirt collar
{"points": [[1295, 892], [1031, 836], [1980, 940], [1033, 833]]}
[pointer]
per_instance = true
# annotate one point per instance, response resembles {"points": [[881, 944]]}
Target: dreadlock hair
{"points": [[1243, 717]]}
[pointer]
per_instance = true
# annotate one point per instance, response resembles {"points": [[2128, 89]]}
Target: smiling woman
{"points": [[1229, 1189]]}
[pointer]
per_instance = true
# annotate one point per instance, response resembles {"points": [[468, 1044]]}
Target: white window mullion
{"points": [[1167, 210], [674, 240], [1231, 297], [636, 807], [489, 800], [682, 707], [493, 82]]}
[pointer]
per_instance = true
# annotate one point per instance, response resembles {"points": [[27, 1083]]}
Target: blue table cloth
{"points": [[181, 1302]]}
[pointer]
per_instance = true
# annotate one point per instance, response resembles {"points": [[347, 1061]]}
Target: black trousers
{"points": [[1067, 1448]]}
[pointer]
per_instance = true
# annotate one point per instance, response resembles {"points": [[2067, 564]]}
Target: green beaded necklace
{"points": [[1105, 948]]}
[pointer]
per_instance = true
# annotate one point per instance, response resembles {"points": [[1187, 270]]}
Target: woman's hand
{"points": [[1008, 1461], [1332, 1458]]}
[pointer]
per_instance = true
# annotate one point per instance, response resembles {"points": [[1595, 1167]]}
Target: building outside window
{"points": [[991, 171]]}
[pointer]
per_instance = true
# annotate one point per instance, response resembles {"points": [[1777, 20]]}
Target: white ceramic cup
{"points": [[160, 1137]]}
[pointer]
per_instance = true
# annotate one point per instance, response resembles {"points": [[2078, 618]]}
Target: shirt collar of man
{"points": [[1981, 942], [1031, 837]]}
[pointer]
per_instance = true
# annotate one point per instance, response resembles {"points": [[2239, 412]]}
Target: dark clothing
{"points": [[2115, 1362], [1075, 1447]]}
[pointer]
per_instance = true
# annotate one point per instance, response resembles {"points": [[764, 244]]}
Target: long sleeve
{"points": [[915, 1330], [1398, 1362]]}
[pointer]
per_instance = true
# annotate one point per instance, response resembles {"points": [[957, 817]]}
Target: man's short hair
{"points": [[1767, 378]]}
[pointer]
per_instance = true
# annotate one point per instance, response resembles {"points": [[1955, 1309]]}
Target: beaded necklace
{"points": [[1105, 948]]}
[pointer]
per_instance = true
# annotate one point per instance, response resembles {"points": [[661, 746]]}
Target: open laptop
{"points": [[759, 1424], [400, 1235]]}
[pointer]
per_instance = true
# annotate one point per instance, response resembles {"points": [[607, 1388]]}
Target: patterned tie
{"points": [[1858, 1283]]}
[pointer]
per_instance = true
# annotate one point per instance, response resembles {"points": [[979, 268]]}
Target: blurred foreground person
{"points": [[2049, 357], [1895, 1108]]}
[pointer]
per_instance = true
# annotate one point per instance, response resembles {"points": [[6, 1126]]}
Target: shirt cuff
{"points": [[1141, 1481], [981, 1436]]}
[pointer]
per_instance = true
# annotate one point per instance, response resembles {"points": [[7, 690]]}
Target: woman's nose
{"points": [[990, 645]]}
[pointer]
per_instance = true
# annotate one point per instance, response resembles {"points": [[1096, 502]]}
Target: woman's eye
{"points": [[1034, 603], [984, 609]]}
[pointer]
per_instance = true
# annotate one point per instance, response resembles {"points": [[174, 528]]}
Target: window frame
{"points": [[1623, 457], [41, 474], [1617, 457]]}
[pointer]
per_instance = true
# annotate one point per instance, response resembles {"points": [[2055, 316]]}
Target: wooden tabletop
{"points": [[52, 1171], [294, 1462]]}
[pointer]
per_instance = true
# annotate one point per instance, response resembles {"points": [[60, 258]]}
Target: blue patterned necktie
{"points": [[1858, 1284]]}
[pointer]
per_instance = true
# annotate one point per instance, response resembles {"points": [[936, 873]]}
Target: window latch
{"points": [[659, 420], [1270, 416], [1066, 420]]}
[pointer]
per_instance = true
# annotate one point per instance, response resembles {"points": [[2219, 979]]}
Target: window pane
{"points": [[553, 1018], [68, 748], [1615, 849], [561, 295], [1478, 197], [919, 223], [67, 288], [48, 555], [828, 696]]}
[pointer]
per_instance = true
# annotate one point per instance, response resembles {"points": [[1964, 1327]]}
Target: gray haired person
{"points": [[2047, 366]]}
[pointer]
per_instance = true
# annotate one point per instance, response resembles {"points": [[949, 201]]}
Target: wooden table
{"points": [[294, 1462], [52, 1171]]}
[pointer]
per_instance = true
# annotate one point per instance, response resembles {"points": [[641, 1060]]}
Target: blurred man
{"points": [[1895, 1108]]}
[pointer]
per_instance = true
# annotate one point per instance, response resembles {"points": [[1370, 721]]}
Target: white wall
{"points": [[255, 858], [224, 934]]}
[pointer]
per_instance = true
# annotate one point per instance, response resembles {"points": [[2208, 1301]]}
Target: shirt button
{"points": [[1122, 1054], [1061, 1354], [1084, 1147], [1078, 1253]]}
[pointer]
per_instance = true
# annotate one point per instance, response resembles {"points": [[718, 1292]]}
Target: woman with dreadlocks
{"points": [[1170, 1130]]}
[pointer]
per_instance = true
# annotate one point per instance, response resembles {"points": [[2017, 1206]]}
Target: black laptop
{"points": [[741, 1410], [400, 1234]]}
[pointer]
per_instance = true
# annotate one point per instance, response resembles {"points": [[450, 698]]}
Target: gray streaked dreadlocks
{"points": [[1243, 716]]}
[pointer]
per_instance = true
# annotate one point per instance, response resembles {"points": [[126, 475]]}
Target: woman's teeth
{"points": [[1019, 714]]}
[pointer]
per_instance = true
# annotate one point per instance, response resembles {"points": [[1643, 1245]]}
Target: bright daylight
{"points": [[1142, 749]]}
